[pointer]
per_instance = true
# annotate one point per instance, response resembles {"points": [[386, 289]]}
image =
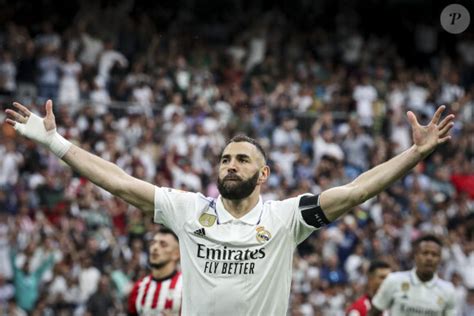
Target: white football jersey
{"points": [[233, 266], [403, 293]]}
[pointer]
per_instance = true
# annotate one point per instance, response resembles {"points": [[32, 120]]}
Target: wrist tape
{"points": [[34, 129]]}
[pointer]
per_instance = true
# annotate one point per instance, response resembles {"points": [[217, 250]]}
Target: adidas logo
{"points": [[200, 232]]}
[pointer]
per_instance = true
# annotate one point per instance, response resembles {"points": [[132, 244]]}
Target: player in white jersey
{"points": [[418, 291], [159, 293], [236, 250]]}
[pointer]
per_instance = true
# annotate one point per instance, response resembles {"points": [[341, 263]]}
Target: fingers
{"points": [[444, 139], [16, 116], [23, 109], [17, 126], [445, 130], [437, 115], [11, 122], [448, 119], [412, 119]]}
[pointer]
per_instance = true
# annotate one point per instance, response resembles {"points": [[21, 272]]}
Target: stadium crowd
{"points": [[326, 104]]}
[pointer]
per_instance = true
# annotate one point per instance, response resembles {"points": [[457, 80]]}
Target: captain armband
{"points": [[312, 212]]}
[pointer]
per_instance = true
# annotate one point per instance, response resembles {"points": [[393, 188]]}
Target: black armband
{"points": [[312, 212]]}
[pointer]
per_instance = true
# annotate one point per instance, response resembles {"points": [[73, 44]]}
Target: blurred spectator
{"points": [[89, 277], [27, 281], [468, 307], [365, 95], [12, 309], [7, 292], [48, 37], [69, 91], [26, 73], [9, 165], [101, 302], [108, 59], [48, 73], [8, 71]]}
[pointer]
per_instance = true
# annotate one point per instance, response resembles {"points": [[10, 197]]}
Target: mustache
{"points": [[232, 177]]}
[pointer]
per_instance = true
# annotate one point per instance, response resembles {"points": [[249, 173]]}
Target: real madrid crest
{"points": [[440, 301], [405, 286], [262, 234], [207, 220]]}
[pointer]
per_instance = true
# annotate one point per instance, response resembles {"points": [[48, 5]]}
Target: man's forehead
{"points": [[160, 236], [241, 148], [428, 244]]}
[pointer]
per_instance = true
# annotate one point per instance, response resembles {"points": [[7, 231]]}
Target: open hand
{"points": [[19, 119], [427, 137]]}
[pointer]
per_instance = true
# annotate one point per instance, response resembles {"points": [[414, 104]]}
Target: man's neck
{"points": [[163, 272], [239, 208], [370, 292]]}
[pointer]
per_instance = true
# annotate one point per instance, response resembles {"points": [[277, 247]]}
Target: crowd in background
{"points": [[327, 104]]}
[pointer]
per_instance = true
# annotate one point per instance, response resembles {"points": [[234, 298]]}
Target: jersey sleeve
{"points": [[383, 299], [173, 207], [295, 213]]}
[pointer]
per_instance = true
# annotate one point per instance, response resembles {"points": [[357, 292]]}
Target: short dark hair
{"points": [[377, 264], [427, 237], [243, 138], [165, 230]]}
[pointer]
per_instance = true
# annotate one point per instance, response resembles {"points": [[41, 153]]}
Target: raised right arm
{"points": [[99, 171]]}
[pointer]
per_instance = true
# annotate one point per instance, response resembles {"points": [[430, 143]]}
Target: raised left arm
{"points": [[337, 201]]}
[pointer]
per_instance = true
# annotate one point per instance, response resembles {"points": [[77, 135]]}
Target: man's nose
{"points": [[232, 166]]}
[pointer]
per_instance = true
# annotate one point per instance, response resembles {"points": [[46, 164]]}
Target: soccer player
{"points": [[160, 292], [378, 271], [418, 291], [236, 250]]}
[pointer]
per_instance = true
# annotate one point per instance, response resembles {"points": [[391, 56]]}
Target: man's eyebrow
{"points": [[243, 156], [239, 156]]}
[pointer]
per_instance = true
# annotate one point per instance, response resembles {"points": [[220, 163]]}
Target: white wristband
{"points": [[59, 145]]}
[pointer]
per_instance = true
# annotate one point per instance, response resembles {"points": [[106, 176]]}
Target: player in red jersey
{"points": [[159, 293], [378, 270]]}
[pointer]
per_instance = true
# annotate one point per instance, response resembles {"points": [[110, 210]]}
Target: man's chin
{"points": [[156, 265], [234, 196]]}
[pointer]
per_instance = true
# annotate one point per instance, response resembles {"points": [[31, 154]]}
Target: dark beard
{"points": [[237, 190]]}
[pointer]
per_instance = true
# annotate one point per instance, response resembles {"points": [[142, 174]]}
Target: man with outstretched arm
{"points": [[236, 250]]}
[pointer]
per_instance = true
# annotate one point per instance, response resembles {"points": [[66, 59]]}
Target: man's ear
{"points": [[176, 255], [264, 174]]}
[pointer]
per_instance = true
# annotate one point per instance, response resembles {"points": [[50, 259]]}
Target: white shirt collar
{"points": [[251, 218]]}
